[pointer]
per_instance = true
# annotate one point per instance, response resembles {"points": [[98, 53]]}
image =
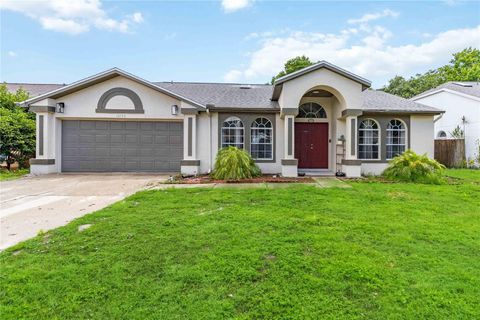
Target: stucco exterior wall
{"points": [[346, 90], [83, 103], [455, 107], [421, 131]]}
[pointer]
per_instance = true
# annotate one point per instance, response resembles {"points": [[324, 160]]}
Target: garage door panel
{"points": [[121, 146], [175, 140], [130, 138]]}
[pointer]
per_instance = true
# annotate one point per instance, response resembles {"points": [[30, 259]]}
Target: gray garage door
{"points": [[104, 146]]}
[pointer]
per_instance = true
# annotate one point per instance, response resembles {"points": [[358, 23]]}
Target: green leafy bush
{"points": [[234, 164], [411, 167], [17, 136]]}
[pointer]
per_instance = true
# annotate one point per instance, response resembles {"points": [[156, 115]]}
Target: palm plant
{"points": [[411, 167], [234, 164]]}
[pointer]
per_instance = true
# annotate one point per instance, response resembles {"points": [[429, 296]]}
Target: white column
{"points": [[46, 142], [289, 163], [351, 129], [289, 137], [350, 165], [190, 165], [190, 134]]}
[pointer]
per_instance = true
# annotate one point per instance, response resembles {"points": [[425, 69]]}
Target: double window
{"points": [[396, 138], [368, 140], [261, 136]]}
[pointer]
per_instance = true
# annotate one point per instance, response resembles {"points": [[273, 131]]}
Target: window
{"points": [[441, 134], [368, 145], [261, 139], [232, 133], [311, 110], [396, 140]]}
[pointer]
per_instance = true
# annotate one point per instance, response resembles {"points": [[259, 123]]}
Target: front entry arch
{"points": [[311, 145]]}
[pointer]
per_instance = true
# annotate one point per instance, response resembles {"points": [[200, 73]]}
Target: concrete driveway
{"points": [[31, 204]]}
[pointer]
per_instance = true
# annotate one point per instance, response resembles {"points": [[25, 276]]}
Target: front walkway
{"points": [[32, 204]]}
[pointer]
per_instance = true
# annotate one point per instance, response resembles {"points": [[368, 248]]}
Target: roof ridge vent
{"points": [[245, 86]]}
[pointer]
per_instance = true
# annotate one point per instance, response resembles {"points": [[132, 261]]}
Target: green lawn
{"points": [[373, 251], [14, 174]]}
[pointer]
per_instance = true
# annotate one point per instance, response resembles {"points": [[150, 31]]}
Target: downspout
{"points": [[439, 117]]}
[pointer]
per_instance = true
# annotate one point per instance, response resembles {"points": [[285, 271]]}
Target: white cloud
{"points": [[374, 16], [12, 54], [73, 16], [365, 52], [233, 76], [137, 17], [235, 5]]}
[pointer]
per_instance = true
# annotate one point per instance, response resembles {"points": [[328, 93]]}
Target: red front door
{"points": [[311, 145]]}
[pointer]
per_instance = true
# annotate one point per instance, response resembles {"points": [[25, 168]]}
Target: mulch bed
{"points": [[205, 179]]}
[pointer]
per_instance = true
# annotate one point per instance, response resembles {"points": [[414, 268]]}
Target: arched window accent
{"points": [[232, 133], [311, 110], [442, 134], [396, 138], [261, 139], [368, 140]]}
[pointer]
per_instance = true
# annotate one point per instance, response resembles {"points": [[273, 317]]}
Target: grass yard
{"points": [[373, 251], [14, 174]]}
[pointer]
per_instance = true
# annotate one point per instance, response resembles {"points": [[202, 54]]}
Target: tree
{"points": [[17, 128], [8, 99], [465, 66], [17, 136], [457, 133], [293, 65]]}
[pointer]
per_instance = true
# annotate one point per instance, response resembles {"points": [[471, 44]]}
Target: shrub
{"points": [[234, 164], [17, 136], [411, 167]]}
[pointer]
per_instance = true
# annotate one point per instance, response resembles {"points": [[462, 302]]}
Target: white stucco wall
{"points": [[82, 104], [457, 106], [421, 134], [347, 91]]}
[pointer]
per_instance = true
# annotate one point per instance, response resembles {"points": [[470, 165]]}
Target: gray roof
{"points": [[379, 101], [471, 88], [34, 89], [236, 96], [225, 95]]}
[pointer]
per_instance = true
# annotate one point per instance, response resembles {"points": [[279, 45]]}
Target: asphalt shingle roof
{"points": [[374, 100], [471, 88], [257, 96], [34, 89], [225, 95]]}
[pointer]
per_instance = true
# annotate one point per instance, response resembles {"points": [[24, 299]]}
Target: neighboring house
{"points": [[461, 103], [321, 119]]}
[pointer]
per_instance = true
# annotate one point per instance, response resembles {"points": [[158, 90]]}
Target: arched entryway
{"points": [[311, 136]]}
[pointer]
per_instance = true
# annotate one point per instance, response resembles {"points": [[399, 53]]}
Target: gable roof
{"points": [[327, 65], [100, 77], [242, 97], [471, 88]]}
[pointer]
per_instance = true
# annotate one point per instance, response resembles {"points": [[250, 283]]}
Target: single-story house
{"points": [[321, 119], [461, 103]]}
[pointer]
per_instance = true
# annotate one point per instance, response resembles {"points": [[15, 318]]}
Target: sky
{"points": [[242, 41]]}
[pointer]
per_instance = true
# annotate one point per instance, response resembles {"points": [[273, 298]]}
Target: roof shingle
{"points": [[254, 96]]}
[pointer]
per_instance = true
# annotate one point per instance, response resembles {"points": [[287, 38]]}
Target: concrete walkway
{"points": [[31, 204]]}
